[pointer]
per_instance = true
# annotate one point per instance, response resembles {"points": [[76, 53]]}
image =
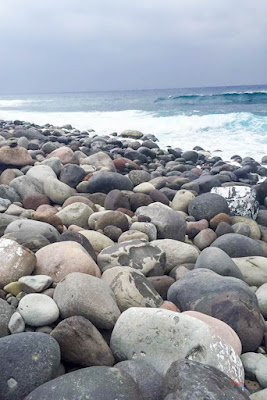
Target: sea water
{"points": [[222, 120]]}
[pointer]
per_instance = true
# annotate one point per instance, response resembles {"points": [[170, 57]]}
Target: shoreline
{"points": [[124, 265]]}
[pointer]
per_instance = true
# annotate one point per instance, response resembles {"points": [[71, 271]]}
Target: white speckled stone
{"points": [[241, 200], [161, 337], [38, 309]]}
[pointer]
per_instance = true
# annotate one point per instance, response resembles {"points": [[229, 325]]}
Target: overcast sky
{"points": [[83, 45]]}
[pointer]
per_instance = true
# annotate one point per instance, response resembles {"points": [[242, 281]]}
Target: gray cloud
{"points": [[74, 45]]}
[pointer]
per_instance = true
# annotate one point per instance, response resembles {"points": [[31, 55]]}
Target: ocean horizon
{"points": [[224, 120]]}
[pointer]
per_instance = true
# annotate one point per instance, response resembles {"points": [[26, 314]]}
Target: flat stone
{"points": [[35, 283], [253, 269]]}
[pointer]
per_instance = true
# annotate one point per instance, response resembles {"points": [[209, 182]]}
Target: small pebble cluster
{"points": [[129, 271]]}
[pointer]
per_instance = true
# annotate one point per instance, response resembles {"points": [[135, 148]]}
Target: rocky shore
{"points": [[128, 271]]}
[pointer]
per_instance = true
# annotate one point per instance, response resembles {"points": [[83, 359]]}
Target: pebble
{"points": [[16, 323], [38, 309]]}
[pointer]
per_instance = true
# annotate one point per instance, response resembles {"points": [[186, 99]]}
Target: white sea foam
{"points": [[7, 103], [241, 133]]}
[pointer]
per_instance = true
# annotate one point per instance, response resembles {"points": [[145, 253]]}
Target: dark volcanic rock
{"points": [[236, 245], [207, 182], [72, 175], [148, 379], [27, 361], [104, 182], [94, 383], [228, 299], [207, 205], [187, 379]]}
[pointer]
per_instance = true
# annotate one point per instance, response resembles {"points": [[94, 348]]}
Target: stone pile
{"points": [[129, 271]]}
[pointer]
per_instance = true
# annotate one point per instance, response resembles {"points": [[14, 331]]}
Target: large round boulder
{"points": [[236, 245], [207, 205], [89, 297], [27, 361], [226, 298], [161, 337], [94, 383], [104, 182]]}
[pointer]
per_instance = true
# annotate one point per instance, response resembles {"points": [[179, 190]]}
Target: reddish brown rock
{"points": [[48, 217], [125, 211], [65, 154], [60, 259], [47, 208], [33, 201], [168, 305], [222, 217], [120, 164], [161, 284], [79, 199]]}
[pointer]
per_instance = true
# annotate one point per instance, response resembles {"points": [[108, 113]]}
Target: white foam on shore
{"points": [[233, 133]]}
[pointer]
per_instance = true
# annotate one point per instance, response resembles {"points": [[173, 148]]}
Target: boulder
{"points": [[17, 156], [170, 224], [253, 269], [131, 288], [98, 241], [100, 160], [104, 182], [218, 261], [81, 343], [241, 200], [208, 383], [177, 253], [16, 261], [38, 309], [34, 228], [207, 205], [226, 298], [147, 378], [57, 191], [236, 245], [65, 154], [95, 383], [75, 214], [41, 173], [26, 185], [89, 297], [81, 239], [72, 175], [27, 361], [137, 254], [161, 337], [6, 312], [60, 259]]}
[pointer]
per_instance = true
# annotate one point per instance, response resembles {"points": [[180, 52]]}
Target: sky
{"points": [[88, 45]]}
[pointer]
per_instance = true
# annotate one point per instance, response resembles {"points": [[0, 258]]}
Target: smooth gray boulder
{"points": [[236, 245], [169, 223], [218, 261], [161, 337], [87, 296], [31, 227], [104, 182]]}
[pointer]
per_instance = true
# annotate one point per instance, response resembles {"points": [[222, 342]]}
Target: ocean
{"points": [[222, 120]]}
